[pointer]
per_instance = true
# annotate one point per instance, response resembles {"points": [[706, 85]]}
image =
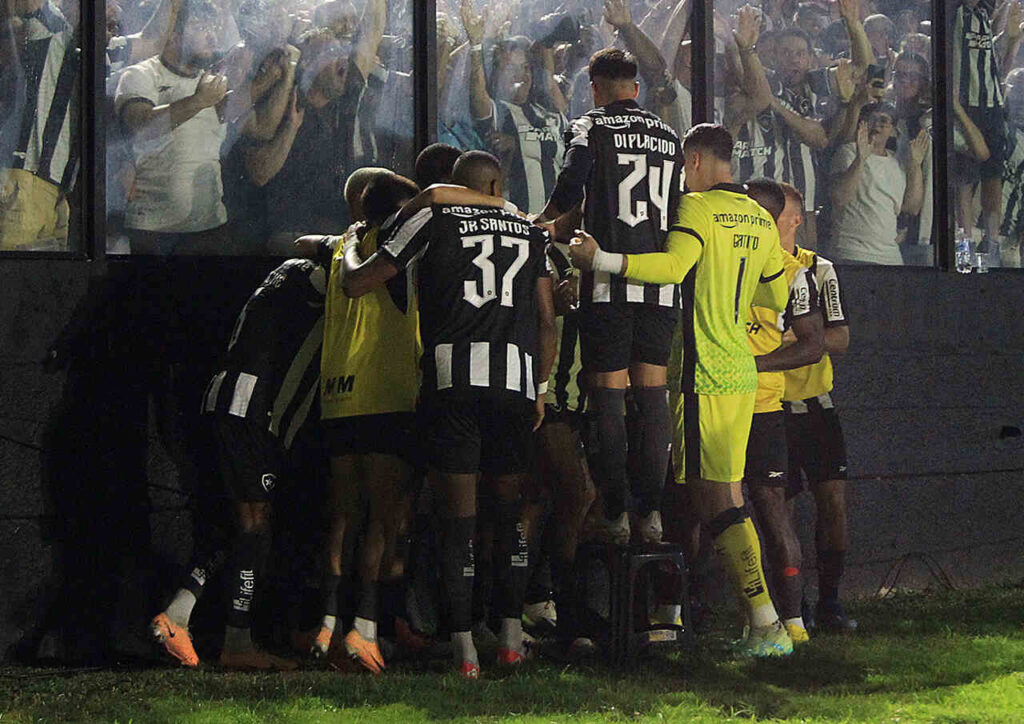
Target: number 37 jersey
{"points": [[632, 194], [476, 271]]}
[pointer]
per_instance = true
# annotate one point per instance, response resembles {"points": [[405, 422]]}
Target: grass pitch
{"points": [[949, 657]]}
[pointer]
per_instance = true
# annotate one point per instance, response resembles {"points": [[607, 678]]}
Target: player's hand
{"points": [[848, 77], [501, 142], [748, 27], [296, 115], [305, 247], [617, 13], [919, 147], [538, 412], [211, 89], [582, 250], [473, 22], [566, 296], [863, 141]]}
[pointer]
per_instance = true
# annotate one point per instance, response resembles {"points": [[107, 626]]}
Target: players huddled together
{"points": [[499, 387]]}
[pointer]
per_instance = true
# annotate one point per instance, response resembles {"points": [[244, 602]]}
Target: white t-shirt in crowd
{"points": [[178, 186], [865, 228]]}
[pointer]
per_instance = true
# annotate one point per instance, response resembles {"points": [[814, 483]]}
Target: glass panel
{"points": [[986, 165], [39, 120], [510, 76], [235, 125], [835, 99]]}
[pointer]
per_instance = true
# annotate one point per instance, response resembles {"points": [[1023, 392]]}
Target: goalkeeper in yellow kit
{"points": [[724, 249]]}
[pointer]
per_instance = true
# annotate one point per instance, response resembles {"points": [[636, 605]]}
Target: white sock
{"points": [[329, 623], [180, 608], [365, 628], [463, 649], [511, 636], [761, 616], [798, 621], [237, 639], [668, 612]]}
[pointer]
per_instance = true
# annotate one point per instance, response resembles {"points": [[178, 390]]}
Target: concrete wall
{"points": [[96, 520], [934, 373]]}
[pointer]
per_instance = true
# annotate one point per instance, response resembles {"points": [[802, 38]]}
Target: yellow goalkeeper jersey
{"points": [[727, 246]]}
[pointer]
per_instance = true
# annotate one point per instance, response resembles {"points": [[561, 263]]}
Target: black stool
{"points": [[624, 563]]}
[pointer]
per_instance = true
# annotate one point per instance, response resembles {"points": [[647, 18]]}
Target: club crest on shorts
{"points": [[268, 481]]}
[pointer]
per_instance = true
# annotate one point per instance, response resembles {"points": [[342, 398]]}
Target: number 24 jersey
{"points": [[632, 192]]}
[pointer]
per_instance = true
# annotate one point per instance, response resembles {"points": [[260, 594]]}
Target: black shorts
{"points": [[612, 336], [391, 433], [491, 435], [250, 458], [767, 458], [816, 445], [994, 125]]}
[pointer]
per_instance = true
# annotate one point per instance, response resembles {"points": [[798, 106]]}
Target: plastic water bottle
{"points": [[981, 263], [964, 256]]}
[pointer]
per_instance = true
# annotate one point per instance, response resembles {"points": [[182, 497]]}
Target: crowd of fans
{"points": [[277, 100]]}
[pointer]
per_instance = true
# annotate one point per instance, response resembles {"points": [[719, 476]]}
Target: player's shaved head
{"points": [[769, 194], [385, 195], [435, 163], [357, 182], [480, 171], [792, 193]]}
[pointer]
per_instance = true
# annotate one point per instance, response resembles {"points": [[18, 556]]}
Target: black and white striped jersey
{"points": [[801, 161], [625, 164], [533, 166], [564, 392], [271, 370], [1013, 188], [975, 67], [758, 151], [476, 272], [46, 144]]}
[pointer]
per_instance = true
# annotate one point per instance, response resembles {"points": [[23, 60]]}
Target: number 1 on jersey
{"points": [[739, 288], [479, 293]]}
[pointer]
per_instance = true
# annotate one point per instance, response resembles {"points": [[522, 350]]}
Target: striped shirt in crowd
{"points": [[46, 142], [533, 166], [975, 68], [801, 161]]}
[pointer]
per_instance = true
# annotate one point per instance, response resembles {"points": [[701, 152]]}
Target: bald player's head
{"points": [[357, 182], [480, 171], [435, 163]]}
